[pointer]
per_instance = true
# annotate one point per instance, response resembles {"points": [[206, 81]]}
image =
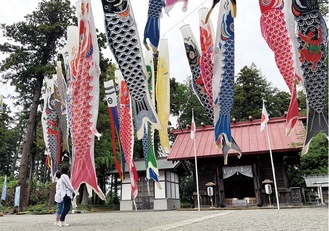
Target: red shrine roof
{"points": [[246, 134]]}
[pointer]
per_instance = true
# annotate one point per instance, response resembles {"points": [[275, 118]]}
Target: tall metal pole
{"points": [[273, 170], [196, 175], [195, 160]]}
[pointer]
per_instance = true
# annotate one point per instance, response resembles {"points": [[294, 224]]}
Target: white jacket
{"points": [[67, 188], [58, 194]]}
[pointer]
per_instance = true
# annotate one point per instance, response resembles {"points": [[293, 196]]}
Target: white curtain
{"points": [[230, 171]]}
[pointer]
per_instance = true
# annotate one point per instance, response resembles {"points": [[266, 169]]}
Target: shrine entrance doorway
{"points": [[238, 185]]}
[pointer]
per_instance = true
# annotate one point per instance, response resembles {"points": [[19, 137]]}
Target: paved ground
{"points": [[315, 219]]}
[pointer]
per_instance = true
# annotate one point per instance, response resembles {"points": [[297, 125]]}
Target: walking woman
{"points": [[67, 193], [58, 197]]}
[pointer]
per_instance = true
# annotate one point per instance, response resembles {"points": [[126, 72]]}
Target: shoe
{"points": [[60, 224], [66, 224], [55, 223]]}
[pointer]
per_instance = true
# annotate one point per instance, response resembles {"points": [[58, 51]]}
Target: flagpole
{"points": [[196, 175], [196, 166], [273, 170]]}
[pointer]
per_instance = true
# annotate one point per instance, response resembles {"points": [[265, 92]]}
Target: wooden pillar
{"points": [[288, 196], [257, 185], [221, 188], [216, 188]]}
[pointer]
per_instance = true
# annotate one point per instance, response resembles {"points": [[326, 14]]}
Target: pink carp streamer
{"points": [[127, 135], [275, 32], [85, 99], [171, 3], [207, 52]]}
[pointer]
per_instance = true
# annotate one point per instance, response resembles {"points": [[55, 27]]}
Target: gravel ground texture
{"points": [[315, 219]]}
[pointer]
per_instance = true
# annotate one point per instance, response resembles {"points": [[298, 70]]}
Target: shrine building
{"points": [[242, 181]]}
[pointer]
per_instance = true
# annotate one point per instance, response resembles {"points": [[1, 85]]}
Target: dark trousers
{"points": [[66, 207]]}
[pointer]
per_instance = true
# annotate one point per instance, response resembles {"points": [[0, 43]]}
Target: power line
{"points": [[184, 18]]}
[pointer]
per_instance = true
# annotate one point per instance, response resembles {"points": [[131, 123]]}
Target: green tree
{"points": [[302, 103], [8, 141], [280, 101], [104, 156], [314, 162], [104, 160], [250, 89], [182, 100], [40, 168], [178, 97], [32, 47], [186, 190]]}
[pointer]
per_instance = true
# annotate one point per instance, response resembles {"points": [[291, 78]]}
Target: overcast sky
{"points": [[250, 46]]}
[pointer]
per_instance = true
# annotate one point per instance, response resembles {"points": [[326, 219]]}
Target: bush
{"points": [[39, 209], [11, 188], [5, 209], [186, 189], [112, 201], [186, 205], [40, 192]]}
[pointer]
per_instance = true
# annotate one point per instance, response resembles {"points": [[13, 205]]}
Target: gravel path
{"points": [[315, 219]]}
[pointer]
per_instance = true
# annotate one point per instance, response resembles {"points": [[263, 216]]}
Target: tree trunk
{"points": [[31, 123], [84, 199], [51, 200], [36, 164], [29, 189], [18, 146]]}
